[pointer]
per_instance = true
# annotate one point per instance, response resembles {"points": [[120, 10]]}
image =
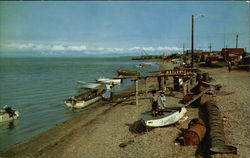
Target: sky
{"points": [[104, 28]]}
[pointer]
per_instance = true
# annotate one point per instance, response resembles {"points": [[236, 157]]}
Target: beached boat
{"points": [[170, 116], [127, 73], [109, 81], [8, 114], [144, 65], [89, 97]]}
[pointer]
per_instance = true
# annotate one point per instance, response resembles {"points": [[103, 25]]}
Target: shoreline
{"points": [[101, 129]]}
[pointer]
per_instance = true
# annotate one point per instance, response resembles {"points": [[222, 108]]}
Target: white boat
{"points": [[169, 117], [88, 85], [109, 81], [78, 104], [85, 99], [8, 114]]}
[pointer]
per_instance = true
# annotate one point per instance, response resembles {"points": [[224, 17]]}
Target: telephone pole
{"points": [[210, 47], [237, 41]]}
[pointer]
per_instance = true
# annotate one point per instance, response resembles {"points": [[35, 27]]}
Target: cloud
{"points": [[64, 48]]}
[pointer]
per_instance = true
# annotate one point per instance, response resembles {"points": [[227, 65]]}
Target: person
{"points": [[161, 101], [229, 66], [154, 103]]}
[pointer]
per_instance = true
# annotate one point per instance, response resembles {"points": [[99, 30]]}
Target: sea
{"points": [[37, 88]]}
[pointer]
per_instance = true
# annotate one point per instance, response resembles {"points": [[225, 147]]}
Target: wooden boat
{"points": [[89, 97], [109, 81], [8, 114], [127, 73], [144, 65], [170, 116], [88, 85]]}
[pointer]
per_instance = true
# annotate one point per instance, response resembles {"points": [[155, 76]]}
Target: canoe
{"points": [[169, 117], [127, 73], [5, 115]]}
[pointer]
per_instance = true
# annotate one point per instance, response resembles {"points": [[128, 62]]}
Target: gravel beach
{"points": [[112, 130]]}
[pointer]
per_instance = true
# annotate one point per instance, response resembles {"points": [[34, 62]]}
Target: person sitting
{"points": [[161, 101], [154, 103]]}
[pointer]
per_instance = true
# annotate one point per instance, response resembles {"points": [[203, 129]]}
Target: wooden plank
{"points": [[136, 92], [196, 97]]}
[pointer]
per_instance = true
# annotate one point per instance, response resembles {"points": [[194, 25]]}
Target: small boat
{"points": [[127, 73], [8, 114], [109, 81], [170, 116], [89, 85], [144, 65], [89, 97]]}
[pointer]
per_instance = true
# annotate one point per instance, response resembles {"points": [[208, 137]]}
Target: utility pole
{"points": [[192, 42], [237, 41], [210, 47]]}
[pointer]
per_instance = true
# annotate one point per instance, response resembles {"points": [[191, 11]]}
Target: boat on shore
{"points": [[8, 114], [89, 97], [109, 81], [127, 73], [88, 85], [170, 116], [144, 65]]}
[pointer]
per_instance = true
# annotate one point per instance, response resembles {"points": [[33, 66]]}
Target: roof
{"points": [[233, 50], [206, 53]]}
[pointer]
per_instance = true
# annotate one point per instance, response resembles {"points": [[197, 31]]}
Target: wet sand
{"points": [[99, 132]]}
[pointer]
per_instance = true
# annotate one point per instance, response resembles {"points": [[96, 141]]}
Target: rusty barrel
{"points": [[196, 132]]}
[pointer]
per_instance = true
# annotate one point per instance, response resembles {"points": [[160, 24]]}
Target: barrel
{"points": [[195, 133]]}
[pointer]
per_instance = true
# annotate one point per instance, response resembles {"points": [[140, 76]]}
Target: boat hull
{"points": [[82, 104], [127, 73], [5, 116], [168, 118]]}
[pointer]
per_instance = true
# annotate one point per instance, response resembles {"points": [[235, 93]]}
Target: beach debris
{"points": [[124, 144], [216, 133], [195, 133], [187, 98]]}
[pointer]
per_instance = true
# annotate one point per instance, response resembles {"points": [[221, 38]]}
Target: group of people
{"points": [[158, 103]]}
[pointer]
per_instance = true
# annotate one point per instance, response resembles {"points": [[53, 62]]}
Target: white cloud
{"points": [[77, 48], [82, 49], [57, 48]]}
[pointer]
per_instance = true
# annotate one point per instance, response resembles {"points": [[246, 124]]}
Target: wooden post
{"points": [[188, 86], [184, 88], [111, 93], [136, 92], [146, 86], [159, 82]]}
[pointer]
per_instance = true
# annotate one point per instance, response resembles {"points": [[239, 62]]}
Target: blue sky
{"points": [[118, 28]]}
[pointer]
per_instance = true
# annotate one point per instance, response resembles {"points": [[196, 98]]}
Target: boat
{"points": [[170, 116], [144, 65], [89, 97], [109, 81], [127, 73], [8, 114], [89, 85]]}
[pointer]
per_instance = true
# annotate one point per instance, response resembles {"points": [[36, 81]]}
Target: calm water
{"points": [[37, 87]]}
